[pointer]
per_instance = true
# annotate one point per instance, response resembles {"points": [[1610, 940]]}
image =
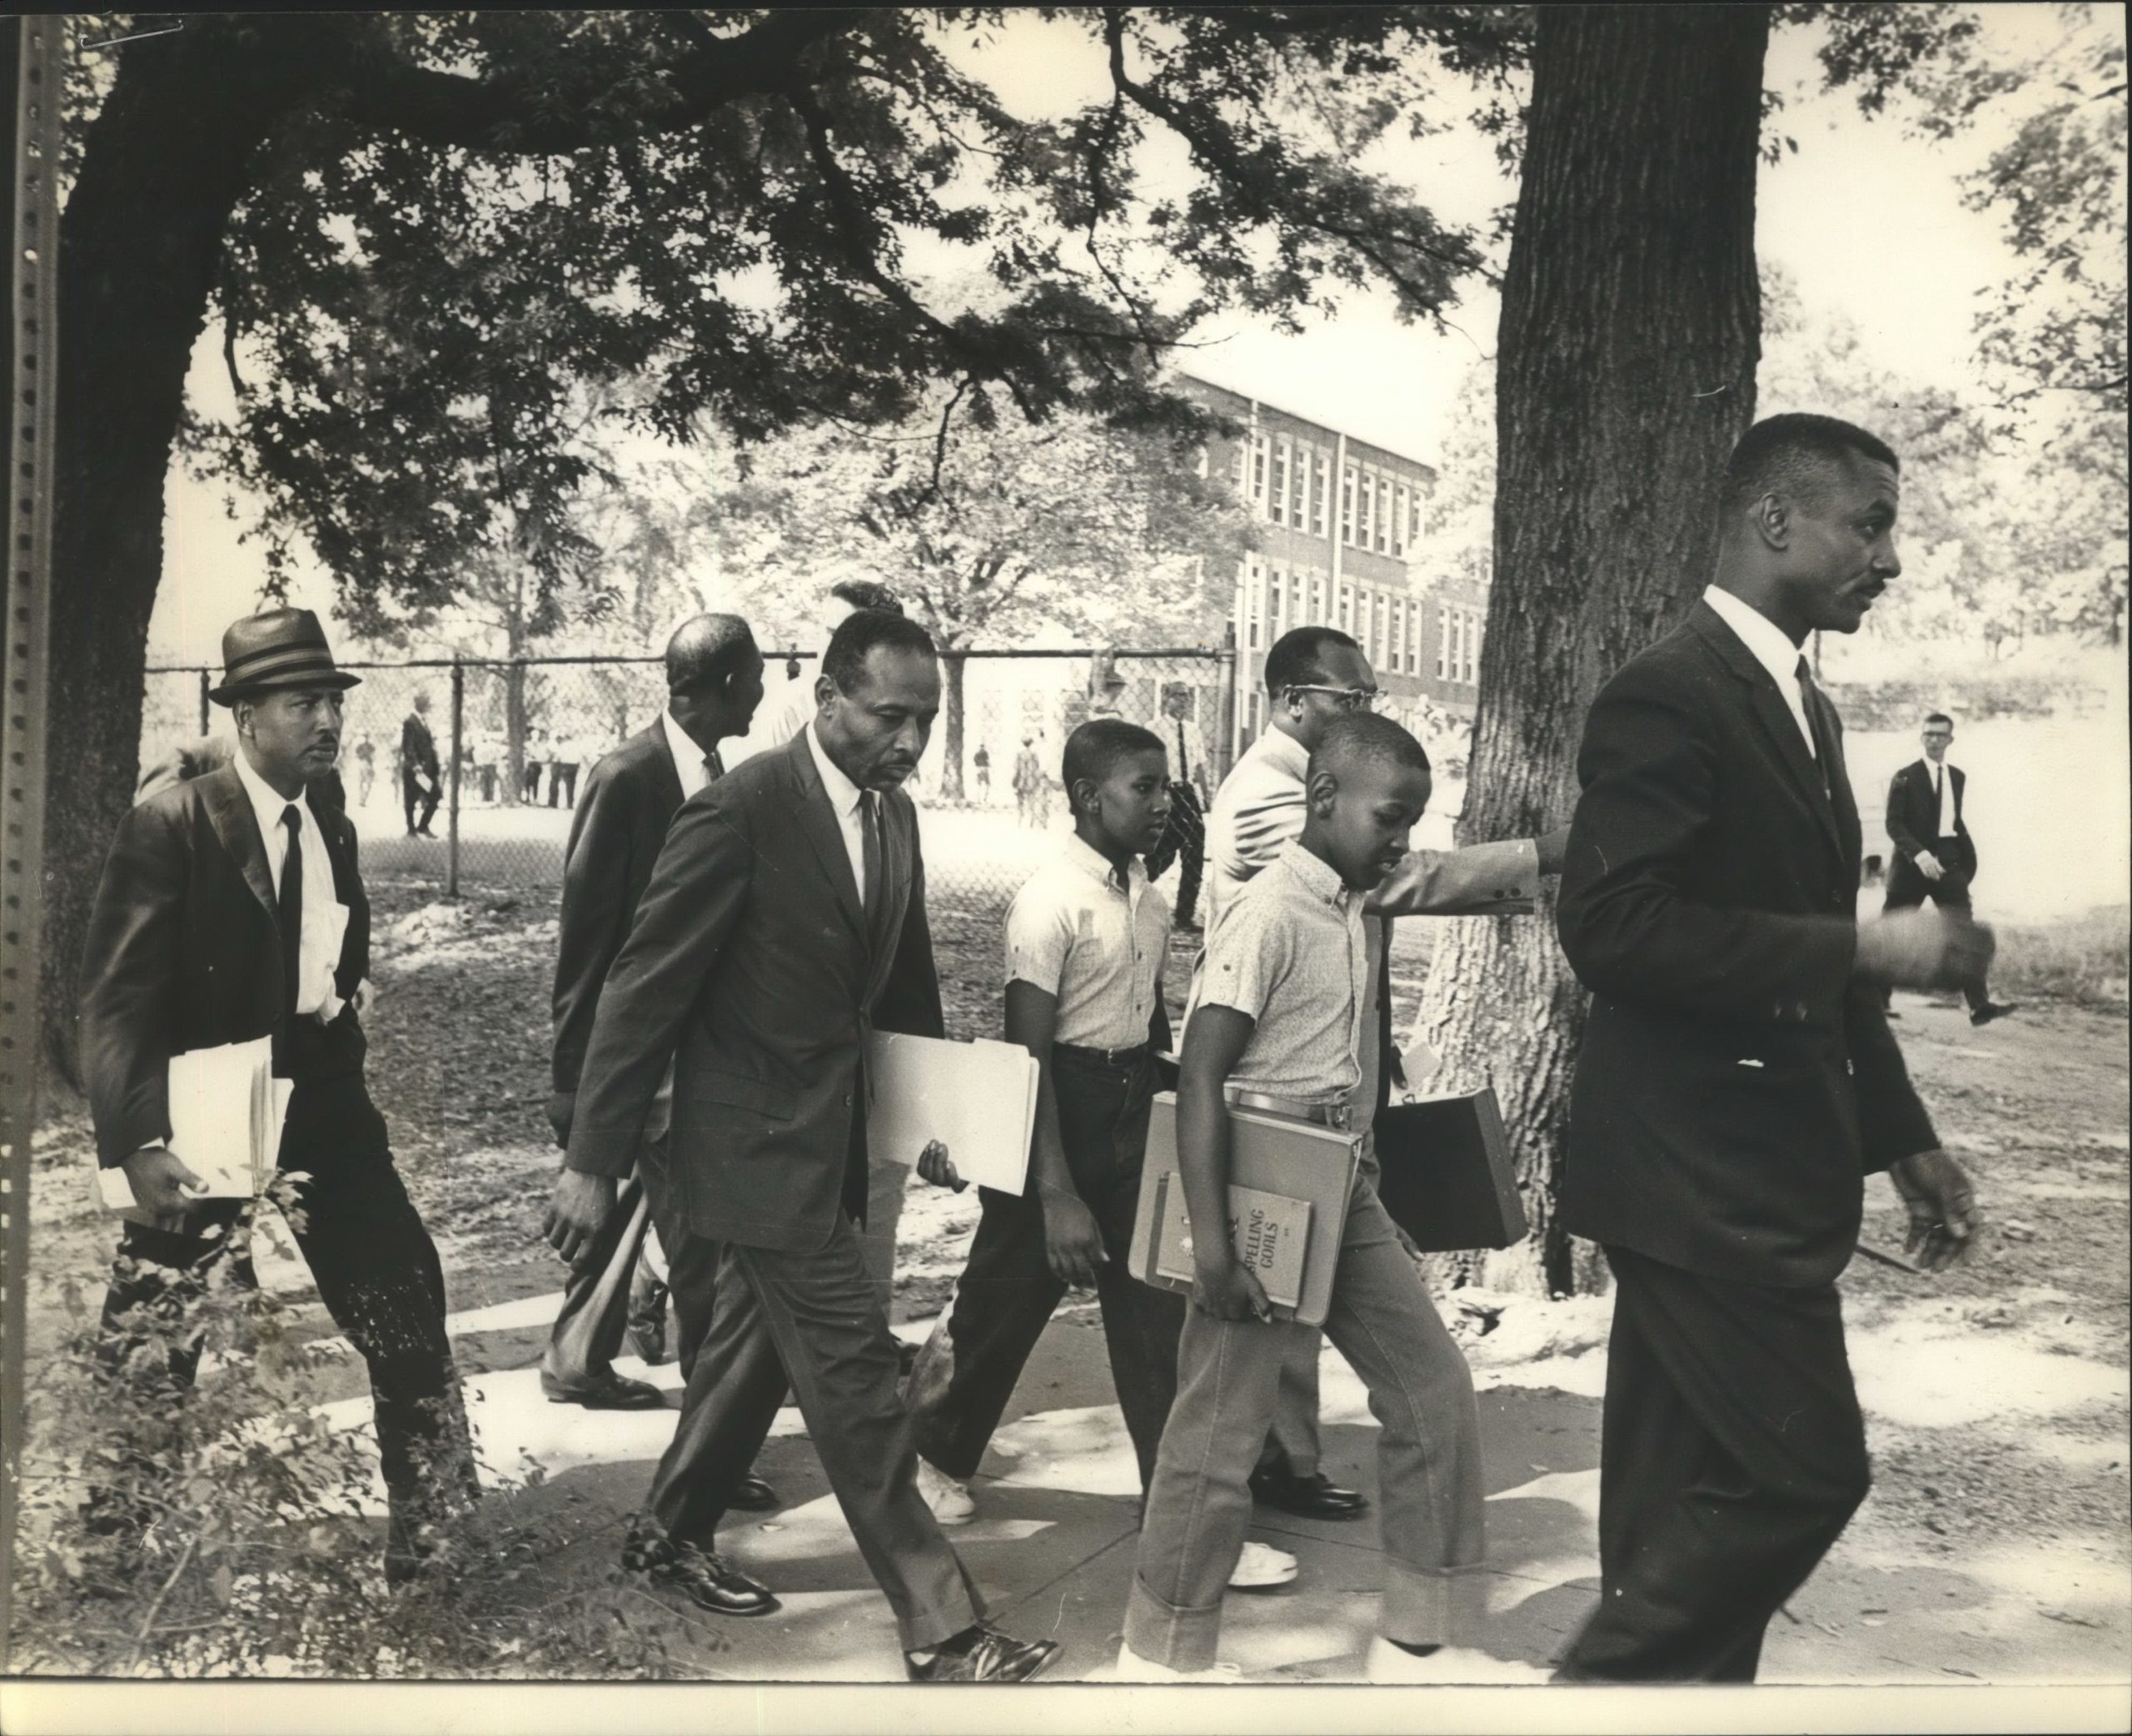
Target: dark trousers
{"points": [[602, 1293], [377, 1273], [1908, 889], [416, 794], [1183, 841], [818, 1316], [562, 785], [1007, 1292], [1732, 1454], [530, 784]]}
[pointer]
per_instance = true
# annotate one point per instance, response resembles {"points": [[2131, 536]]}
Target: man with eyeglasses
{"points": [[1313, 675]]}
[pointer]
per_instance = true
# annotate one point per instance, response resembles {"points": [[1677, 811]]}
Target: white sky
{"points": [[1868, 222]]}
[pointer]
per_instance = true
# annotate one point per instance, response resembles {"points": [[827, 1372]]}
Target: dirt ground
{"points": [[1997, 1394]]}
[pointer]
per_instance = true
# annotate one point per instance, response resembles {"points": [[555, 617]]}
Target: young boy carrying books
{"points": [[1278, 1014], [1086, 938]]}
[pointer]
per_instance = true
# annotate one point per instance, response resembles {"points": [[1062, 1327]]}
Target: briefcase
{"points": [[1445, 1173]]}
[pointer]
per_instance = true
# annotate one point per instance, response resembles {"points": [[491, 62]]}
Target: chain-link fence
{"points": [[461, 775]]}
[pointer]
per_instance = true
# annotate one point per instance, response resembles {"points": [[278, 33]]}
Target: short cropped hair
{"points": [[1297, 658], [865, 593], [705, 650], [1094, 748], [863, 632], [1368, 736], [1940, 717], [1792, 456]]}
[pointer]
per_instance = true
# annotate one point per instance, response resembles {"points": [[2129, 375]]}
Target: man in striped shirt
{"points": [[1314, 674]]}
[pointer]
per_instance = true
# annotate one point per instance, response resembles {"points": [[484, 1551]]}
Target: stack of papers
{"points": [[226, 1109], [977, 1099]]}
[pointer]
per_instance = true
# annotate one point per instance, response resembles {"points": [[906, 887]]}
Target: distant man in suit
{"points": [[1935, 857], [1313, 675], [421, 786], [1737, 1080], [713, 682], [784, 921], [1184, 833], [230, 908]]}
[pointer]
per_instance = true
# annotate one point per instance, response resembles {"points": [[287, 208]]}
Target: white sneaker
{"points": [[949, 1500], [1448, 1666], [1260, 1567], [1132, 1667]]}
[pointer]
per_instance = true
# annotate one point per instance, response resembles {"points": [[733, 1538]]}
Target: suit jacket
{"points": [[184, 952], [615, 831], [417, 746], [750, 965], [1914, 817], [1734, 1085]]}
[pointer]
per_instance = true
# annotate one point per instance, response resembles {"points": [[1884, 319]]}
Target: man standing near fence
{"points": [[715, 684], [1184, 833], [420, 783], [1314, 674]]}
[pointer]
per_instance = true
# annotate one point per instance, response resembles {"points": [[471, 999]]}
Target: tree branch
{"points": [[382, 90]]}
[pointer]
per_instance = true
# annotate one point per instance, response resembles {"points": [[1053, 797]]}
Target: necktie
{"points": [[1184, 765], [1824, 748], [869, 829], [713, 765], [289, 909]]}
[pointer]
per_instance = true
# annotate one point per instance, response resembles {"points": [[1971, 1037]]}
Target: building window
{"points": [[1297, 618], [1473, 651], [1384, 635], [1399, 522], [1347, 505], [1414, 523], [1258, 454], [1280, 500], [1317, 599], [1396, 660], [1254, 607], [1321, 490], [1413, 638], [1383, 517], [1442, 643], [1344, 619], [1367, 533]]}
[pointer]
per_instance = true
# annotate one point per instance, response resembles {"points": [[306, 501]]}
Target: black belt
{"points": [[1106, 1058]]}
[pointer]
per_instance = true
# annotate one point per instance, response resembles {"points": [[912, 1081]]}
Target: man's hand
{"points": [[580, 1206], [1072, 1242], [1230, 1291], [162, 1186], [1944, 1220], [1928, 865], [1923, 949], [935, 1166]]}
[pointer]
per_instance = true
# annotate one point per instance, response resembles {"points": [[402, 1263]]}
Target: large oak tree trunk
{"points": [[162, 168], [951, 722], [1626, 370]]}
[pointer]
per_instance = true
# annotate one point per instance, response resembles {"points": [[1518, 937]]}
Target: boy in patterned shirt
{"points": [[1277, 1019], [1086, 938]]}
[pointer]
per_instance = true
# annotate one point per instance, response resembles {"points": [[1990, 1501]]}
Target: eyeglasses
{"points": [[1347, 699]]}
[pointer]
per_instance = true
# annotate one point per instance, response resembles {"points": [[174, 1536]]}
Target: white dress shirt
{"points": [[1944, 784], [1258, 808], [325, 918], [1772, 649], [691, 765], [1074, 932], [845, 797]]}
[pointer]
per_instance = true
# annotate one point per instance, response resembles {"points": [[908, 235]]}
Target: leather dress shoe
{"points": [[709, 1581], [1991, 1010], [610, 1392], [981, 1654], [754, 1495], [1316, 1496]]}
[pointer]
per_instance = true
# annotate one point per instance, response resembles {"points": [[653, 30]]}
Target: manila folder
{"points": [[977, 1099]]}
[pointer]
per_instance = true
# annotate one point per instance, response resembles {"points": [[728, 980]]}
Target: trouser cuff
{"points": [[1425, 1606], [925, 1630], [1165, 1634]]}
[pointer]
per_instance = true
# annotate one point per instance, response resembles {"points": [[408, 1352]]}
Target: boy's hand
{"points": [[1230, 1291], [1072, 1242]]}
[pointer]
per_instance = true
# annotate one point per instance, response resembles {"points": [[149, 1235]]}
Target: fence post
{"points": [[451, 822], [207, 711], [1225, 705]]}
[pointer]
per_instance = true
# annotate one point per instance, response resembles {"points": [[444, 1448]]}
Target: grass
{"points": [[2082, 961]]}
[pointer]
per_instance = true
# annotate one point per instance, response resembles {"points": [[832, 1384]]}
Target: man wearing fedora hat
{"points": [[230, 908]]}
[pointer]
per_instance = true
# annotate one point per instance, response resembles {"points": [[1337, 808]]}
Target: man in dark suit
{"points": [[230, 909], [1737, 1081], [714, 682], [785, 921], [421, 785], [1935, 857]]}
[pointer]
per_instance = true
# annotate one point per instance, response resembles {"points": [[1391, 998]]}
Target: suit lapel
{"points": [[229, 809], [1775, 717], [1843, 806], [818, 820]]}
